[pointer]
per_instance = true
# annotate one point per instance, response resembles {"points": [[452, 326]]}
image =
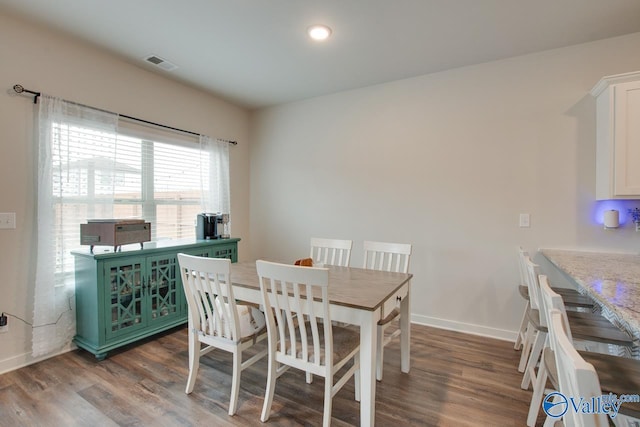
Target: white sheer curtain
{"points": [[63, 172], [214, 167], [82, 163]]}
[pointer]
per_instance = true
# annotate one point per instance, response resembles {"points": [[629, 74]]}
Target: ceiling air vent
{"points": [[161, 63]]}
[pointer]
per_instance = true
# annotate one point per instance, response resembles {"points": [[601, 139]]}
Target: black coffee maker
{"points": [[210, 226]]}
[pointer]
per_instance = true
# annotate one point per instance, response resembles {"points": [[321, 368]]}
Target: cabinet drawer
{"points": [[394, 301]]}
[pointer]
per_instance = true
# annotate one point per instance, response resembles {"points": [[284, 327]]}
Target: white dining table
{"points": [[357, 296]]}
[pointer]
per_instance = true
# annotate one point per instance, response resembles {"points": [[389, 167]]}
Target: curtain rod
{"points": [[21, 89]]}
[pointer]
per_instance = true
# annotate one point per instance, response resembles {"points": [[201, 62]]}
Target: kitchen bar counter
{"points": [[612, 280]]}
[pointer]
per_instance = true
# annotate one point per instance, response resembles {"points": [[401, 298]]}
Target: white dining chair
{"points": [[300, 331], [386, 257], [592, 329], [572, 298], [331, 251], [524, 292], [547, 370], [576, 378], [619, 375], [216, 320]]}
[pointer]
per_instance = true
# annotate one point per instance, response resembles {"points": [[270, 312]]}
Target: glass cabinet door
{"points": [[225, 251], [205, 252], [164, 288], [124, 297]]}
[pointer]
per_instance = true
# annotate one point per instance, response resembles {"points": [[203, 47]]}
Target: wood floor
{"points": [[455, 380]]}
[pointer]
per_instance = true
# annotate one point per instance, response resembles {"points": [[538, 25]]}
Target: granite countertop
{"points": [[611, 279]]}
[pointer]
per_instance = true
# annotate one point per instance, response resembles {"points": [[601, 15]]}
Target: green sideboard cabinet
{"points": [[124, 296]]}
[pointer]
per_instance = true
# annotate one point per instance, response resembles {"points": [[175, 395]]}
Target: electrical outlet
{"points": [[525, 220]]}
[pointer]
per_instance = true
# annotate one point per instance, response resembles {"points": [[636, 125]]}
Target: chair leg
{"points": [[235, 381], [328, 399], [272, 375], [356, 380], [526, 347], [538, 393], [380, 353], [523, 329], [309, 377], [534, 356], [194, 361]]}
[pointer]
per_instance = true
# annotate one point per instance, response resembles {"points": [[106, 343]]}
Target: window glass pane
{"points": [[80, 159], [176, 173], [176, 189], [127, 211], [101, 175], [128, 170], [176, 221], [69, 216]]}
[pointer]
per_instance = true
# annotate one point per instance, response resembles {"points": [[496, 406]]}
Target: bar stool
{"points": [[573, 299], [590, 327], [617, 375]]}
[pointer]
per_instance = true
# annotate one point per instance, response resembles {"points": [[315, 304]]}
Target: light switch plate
{"points": [[8, 220], [525, 220]]}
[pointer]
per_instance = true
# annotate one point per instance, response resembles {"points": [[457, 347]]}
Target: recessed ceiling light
{"points": [[319, 32]]}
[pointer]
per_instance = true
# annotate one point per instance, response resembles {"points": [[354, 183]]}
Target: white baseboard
{"points": [[25, 359], [468, 328]]}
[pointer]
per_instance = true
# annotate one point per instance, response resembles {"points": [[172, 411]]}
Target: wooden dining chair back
{"points": [[301, 334], [393, 257], [216, 320], [576, 378], [331, 251]]}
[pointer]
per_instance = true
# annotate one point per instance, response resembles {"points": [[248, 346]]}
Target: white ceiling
{"points": [[256, 52]]}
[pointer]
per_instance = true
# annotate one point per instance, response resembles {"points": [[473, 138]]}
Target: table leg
{"points": [[405, 336], [368, 338]]}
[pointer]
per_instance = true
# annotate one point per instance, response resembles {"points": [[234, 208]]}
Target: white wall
{"points": [[447, 162], [60, 66]]}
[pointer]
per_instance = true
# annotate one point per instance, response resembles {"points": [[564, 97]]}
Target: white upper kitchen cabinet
{"points": [[618, 136]]}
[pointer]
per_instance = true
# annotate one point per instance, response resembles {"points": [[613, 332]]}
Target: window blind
{"points": [[140, 172]]}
